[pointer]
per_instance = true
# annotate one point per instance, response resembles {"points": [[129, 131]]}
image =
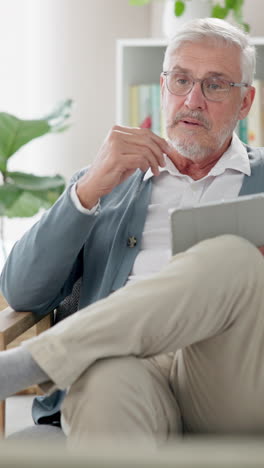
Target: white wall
{"points": [[254, 16], [71, 53], [12, 56], [54, 49]]}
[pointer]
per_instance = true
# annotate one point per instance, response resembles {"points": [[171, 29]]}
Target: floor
{"points": [[18, 413]]}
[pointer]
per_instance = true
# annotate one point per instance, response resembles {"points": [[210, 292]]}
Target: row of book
{"points": [[145, 107], [145, 112], [251, 129]]}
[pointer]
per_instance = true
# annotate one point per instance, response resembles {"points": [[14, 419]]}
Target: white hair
{"points": [[219, 32]]}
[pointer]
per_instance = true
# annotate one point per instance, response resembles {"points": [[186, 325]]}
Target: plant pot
{"points": [[194, 9]]}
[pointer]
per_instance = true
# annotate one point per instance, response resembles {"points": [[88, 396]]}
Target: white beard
{"points": [[196, 151]]}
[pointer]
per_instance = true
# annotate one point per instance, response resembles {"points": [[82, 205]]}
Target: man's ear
{"points": [[247, 102]]}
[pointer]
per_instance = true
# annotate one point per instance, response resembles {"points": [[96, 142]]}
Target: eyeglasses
{"points": [[213, 88]]}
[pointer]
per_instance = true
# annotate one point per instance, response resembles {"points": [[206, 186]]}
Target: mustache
{"points": [[191, 115]]}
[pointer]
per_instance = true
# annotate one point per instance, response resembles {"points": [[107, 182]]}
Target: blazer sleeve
{"points": [[38, 273]]}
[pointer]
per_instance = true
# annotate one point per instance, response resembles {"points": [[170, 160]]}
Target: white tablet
{"points": [[243, 216]]}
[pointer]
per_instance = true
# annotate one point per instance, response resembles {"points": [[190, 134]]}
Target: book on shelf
{"points": [[133, 106], [251, 129], [155, 108], [255, 118], [144, 106], [242, 130]]}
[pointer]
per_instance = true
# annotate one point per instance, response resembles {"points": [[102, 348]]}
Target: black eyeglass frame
{"points": [[231, 84]]}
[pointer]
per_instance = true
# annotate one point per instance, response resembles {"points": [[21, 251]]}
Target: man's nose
{"points": [[195, 98]]}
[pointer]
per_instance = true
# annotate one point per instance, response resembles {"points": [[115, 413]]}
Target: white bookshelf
{"points": [[139, 61]]}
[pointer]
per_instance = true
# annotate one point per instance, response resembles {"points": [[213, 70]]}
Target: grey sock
{"points": [[18, 370]]}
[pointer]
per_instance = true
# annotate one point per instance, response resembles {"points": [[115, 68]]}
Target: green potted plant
{"points": [[23, 194], [217, 9]]}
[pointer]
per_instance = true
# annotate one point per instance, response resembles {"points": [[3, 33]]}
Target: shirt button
{"points": [[132, 242]]}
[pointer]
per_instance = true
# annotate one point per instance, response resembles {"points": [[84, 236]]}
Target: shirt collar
{"points": [[235, 157]]}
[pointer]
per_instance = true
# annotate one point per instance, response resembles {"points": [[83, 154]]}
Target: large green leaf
{"points": [[26, 205], [23, 195], [3, 163], [32, 182], [8, 196], [15, 132], [49, 196]]}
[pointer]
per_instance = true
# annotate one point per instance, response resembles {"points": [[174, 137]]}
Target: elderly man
{"points": [[175, 344]]}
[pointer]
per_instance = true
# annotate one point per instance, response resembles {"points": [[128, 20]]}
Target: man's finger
{"points": [[161, 142], [140, 144]]}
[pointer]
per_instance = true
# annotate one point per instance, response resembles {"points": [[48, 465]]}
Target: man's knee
{"points": [[116, 397], [105, 395], [240, 252], [226, 243], [96, 392], [227, 250]]}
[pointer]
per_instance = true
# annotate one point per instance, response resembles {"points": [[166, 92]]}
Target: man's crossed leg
{"points": [[207, 305]]}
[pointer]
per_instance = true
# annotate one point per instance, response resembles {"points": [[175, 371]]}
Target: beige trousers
{"points": [[207, 306]]}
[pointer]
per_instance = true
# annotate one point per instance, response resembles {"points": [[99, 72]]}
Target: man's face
{"points": [[199, 128]]}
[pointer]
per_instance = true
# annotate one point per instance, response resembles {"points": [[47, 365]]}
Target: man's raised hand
{"points": [[124, 150]]}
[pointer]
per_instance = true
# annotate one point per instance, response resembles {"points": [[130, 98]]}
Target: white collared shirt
{"points": [[171, 189]]}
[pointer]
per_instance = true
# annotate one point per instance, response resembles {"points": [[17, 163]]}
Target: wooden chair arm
{"points": [[13, 324]]}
